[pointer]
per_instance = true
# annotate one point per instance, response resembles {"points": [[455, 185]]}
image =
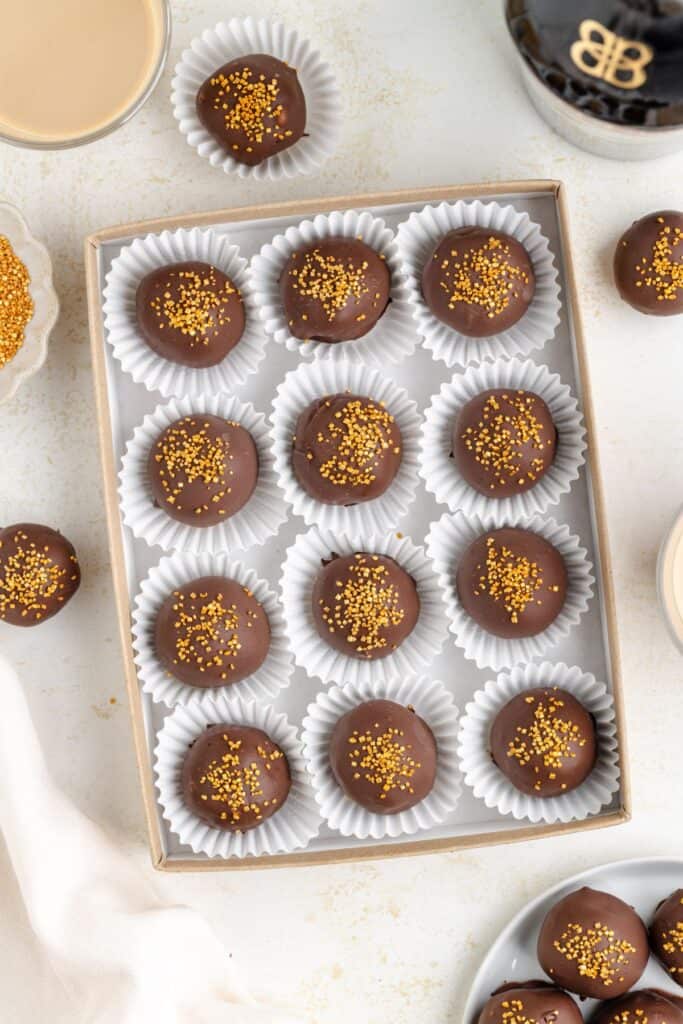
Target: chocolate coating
{"points": [[593, 944], [666, 935], [512, 582], [211, 632], [648, 264], [190, 313], [478, 281], [234, 777], [254, 107], [504, 442], [364, 605], [530, 1002], [647, 1006], [203, 469], [334, 289], [346, 449], [39, 573], [544, 741], [383, 755]]}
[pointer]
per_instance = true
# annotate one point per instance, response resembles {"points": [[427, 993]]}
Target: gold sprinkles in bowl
{"points": [[16, 304]]}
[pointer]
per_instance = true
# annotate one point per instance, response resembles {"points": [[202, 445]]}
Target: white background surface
{"points": [[432, 96]]}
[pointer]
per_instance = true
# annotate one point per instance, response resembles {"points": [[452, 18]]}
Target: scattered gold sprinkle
{"points": [[331, 281], [663, 268], [30, 579], [364, 605], [250, 105], [383, 759], [16, 304], [482, 277], [596, 951], [195, 304], [499, 439], [550, 739]]}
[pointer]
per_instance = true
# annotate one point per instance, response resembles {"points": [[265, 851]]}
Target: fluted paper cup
{"points": [[447, 541], [131, 350], [240, 37], [438, 467], [303, 562], [434, 704], [421, 232], [489, 783], [175, 571], [261, 516], [312, 381], [291, 828], [391, 339]]}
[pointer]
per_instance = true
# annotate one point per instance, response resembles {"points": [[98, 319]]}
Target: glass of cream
{"points": [[73, 71]]}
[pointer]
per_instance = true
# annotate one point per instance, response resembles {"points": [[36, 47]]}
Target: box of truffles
{"points": [[356, 526]]}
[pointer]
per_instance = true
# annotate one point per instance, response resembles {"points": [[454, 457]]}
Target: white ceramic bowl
{"points": [[35, 256]]}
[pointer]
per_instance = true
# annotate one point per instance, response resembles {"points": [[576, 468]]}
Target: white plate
{"points": [[642, 883]]}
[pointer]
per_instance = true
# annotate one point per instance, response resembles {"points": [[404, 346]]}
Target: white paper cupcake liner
{"points": [[495, 789], [391, 339], [172, 572], [312, 381], [438, 467], [448, 539], [291, 828], [422, 231], [261, 516], [239, 38], [302, 564], [434, 704], [136, 357]]}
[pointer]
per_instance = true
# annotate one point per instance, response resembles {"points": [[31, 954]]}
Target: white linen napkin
{"points": [[119, 955]]}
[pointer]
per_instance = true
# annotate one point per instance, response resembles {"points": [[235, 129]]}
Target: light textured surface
{"points": [[431, 96]]}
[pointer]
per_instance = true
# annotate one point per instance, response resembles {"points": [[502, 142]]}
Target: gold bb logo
{"points": [[603, 54]]}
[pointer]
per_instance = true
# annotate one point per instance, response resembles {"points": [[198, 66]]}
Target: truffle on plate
{"points": [[648, 264], [39, 573], [234, 777], [666, 935], [478, 281], [647, 1006], [594, 944], [211, 632], [203, 469], [346, 449], [530, 1002], [383, 755], [364, 605]]}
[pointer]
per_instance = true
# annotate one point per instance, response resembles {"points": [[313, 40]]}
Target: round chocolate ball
{"points": [[504, 442], [478, 281], [190, 313], [544, 741], [512, 582], [648, 264], [254, 107], [334, 289], [647, 1006], [234, 777], [346, 449], [593, 944], [39, 573], [211, 632], [383, 755], [203, 469], [364, 605], [530, 1002], [666, 935]]}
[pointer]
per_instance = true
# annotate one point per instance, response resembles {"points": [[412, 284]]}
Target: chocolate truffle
{"points": [[530, 1002], [504, 442], [39, 573], [383, 756], [254, 107], [364, 605], [512, 582], [211, 632], [190, 313], [203, 469], [593, 944], [346, 449], [666, 935], [478, 281], [647, 1006], [544, 741], [335, 289], [648, 264], [234, 777]]}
